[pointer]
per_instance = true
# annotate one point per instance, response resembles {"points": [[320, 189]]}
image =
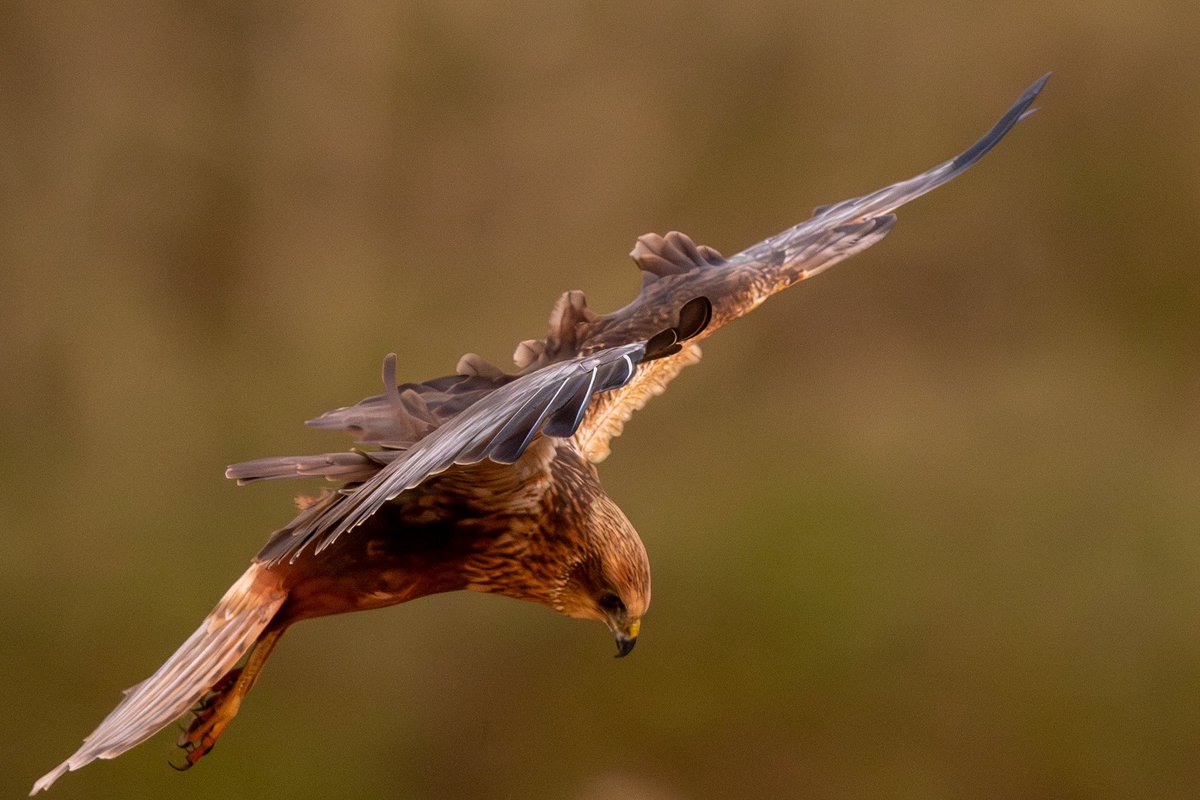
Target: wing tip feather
{"points": [[1016, 112]]}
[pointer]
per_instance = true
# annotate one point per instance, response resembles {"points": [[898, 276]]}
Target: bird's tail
{"points": [[209, 654]]}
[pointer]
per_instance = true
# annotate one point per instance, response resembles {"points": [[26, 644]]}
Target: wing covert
{"points": [[500, 427]]}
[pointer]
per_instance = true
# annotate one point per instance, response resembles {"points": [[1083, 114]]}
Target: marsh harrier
{"points": [[486, 479]]}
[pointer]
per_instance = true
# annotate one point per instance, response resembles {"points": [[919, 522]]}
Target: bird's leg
{"points": [[218, 708]]}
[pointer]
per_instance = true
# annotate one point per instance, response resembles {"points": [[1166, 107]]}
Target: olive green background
{"points": [[925, 527]]}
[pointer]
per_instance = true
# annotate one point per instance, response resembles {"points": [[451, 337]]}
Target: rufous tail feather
{"points": [[213, 650]]}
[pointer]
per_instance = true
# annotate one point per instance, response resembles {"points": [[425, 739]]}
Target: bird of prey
{"points": [[486, 479]]}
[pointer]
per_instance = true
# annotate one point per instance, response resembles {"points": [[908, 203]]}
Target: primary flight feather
{"points": [[485, 480]]}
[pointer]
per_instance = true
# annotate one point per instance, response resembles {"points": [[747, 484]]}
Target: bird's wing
{"points": [[395, 420], [498, 426], [674, 267], [591, 372], [607, 416], [406, 413]]}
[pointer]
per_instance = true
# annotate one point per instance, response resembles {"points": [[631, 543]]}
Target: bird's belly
{"points": [[374, 566]]}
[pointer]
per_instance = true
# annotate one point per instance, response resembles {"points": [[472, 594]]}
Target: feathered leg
{"points": [[222, 703]]}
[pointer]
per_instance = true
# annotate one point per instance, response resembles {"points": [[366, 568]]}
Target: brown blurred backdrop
{"points": [[926, 527]]}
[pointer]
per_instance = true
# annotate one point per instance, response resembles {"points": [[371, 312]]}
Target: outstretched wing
{"points": [[674, 267], [499, 427], [395, 420], [590, 373]]}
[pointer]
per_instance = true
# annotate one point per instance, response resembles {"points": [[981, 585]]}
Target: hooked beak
{"points": [[626, 638]]}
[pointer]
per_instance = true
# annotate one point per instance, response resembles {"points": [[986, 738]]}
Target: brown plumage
{"points": [[485, 480]]}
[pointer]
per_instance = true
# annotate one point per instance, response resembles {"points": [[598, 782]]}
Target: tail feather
{"points": [[208, 654]]}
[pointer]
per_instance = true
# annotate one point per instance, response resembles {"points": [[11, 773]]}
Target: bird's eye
{"points": [[610, 602]]}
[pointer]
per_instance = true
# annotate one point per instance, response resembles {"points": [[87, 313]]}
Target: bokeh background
{"points": [[926, 527]]}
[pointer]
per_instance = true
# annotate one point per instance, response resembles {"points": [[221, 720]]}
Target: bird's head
{"points": [[610, 581]]}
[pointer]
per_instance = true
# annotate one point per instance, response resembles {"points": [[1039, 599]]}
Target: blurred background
{"points": [[925, 527]]}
